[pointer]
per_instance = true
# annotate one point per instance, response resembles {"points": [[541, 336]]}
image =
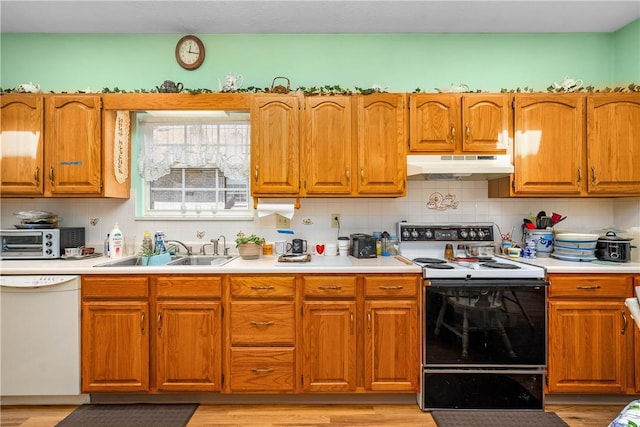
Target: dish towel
{"points": [[634, 307]]}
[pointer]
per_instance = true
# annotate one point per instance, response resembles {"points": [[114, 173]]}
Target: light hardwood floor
{"points": [[307, 415]]}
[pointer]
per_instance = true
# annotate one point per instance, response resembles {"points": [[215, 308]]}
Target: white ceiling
{"points": [[311, 16]]}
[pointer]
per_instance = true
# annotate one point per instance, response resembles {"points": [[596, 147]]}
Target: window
{"points": [[194, 165]]}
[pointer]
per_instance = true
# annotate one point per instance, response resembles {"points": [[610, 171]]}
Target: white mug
{"points": [[280, 247], [330, 249]]}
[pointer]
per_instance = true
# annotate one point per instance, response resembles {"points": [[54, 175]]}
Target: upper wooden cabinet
{"points": [[613, 144], [327, 145], [53, 146], [73, 145], [338, 146], [574, 145], [22, 160], [275, 145], [454, 123], [382, 162], [549, 144]]}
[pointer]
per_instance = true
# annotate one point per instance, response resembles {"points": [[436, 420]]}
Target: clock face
{"points": [[190, 52]]}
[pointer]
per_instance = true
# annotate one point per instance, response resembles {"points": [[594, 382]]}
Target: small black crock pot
{"points": [[613, 248]]}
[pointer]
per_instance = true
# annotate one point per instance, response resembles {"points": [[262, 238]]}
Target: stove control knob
{"points": [[405, 234], [480, 234], [428, 234], [464, 234], [472, 233], [414, 234]]}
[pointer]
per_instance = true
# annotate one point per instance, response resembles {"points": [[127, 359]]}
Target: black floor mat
{"points": [[460, 418], [130, 415]]}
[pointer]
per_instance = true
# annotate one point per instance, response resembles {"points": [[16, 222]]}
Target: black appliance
{"points": [[363, 246], [484, 331]]}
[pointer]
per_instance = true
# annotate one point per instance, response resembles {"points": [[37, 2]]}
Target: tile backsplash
{"points": [[313, 220]]}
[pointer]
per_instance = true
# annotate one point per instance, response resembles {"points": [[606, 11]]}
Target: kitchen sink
{"points": [[176, 260], [215, 260]]}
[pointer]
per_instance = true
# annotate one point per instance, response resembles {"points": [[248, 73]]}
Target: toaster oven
{"points": [[46, 243]]}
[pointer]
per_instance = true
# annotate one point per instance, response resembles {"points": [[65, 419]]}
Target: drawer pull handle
{"points": [[330, 287], [589, 287], [262, 288], [386, 288], [261, 322], [261, 370], [625, 323]]}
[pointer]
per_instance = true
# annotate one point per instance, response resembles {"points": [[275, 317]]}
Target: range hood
{"points": [[458, 167]]}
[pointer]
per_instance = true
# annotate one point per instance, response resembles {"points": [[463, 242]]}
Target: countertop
{"points": [[553, 265], [264, 264]]}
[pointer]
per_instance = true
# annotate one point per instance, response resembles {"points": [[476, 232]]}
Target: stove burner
{"points": [[429, 260], [496, 264], [439, 266]]}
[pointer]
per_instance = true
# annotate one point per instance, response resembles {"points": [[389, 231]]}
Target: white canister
{"points": [[343, 246], [543, 241]]}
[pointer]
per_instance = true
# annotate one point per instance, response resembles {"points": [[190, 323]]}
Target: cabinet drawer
{"points": [[333, 286], [262, 323], [189, 286], [262, 369], [262, 286], [391, 286], [593, 285], [107, 287]]}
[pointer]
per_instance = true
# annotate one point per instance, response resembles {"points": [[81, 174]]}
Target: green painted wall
{"points": [[627, 53], [403, 62]]}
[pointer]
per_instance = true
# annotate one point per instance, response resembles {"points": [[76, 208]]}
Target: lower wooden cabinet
{"points": [[261, 334], [250, 333], [115, 334], [360, 333], [329, 346], [188, 333], [590, 334], [176, 346]]}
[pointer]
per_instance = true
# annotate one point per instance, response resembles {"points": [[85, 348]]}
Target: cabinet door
{"points": [[73, 145], [435, 122], [613, 147], [115, 346], [327, 145], [188, 350], [382, 163], [391, 345], [329, 346], [549, 144], [588, 343], [485, 123], [275, 145], [21, 139]]}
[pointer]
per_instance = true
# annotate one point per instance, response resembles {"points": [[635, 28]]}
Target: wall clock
{"points": [[190, 52]]}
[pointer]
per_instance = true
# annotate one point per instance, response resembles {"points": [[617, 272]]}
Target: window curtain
{"points": [[193, 144]]}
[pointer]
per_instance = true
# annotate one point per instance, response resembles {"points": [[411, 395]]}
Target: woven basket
{"points": [[250, 250]]}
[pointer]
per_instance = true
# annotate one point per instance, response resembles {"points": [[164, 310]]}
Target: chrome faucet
{"points": [[225, 250], [214, 243], [202, 251], [189, 249]]}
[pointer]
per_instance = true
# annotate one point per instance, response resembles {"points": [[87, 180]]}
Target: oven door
{"points": [[485, 323]]}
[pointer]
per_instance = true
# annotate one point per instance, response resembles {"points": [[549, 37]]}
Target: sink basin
{"points": [[176, 260], [216, 260]]}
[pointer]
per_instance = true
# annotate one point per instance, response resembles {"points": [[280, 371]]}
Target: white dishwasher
{"points": [[40, 340]]}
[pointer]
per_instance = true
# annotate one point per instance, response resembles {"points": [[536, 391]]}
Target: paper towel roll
{"points": [[270, 208], [634, 308]]}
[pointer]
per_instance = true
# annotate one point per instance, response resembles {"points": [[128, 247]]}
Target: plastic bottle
{"points": [[106, 245], [160, 247], [147, 244], [116, 242]]}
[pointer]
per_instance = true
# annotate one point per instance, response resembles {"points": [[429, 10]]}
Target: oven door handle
{"points": [[490, 283]]}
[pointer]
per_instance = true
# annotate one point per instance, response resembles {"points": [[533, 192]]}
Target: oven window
{"points": [[485, 326]]}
